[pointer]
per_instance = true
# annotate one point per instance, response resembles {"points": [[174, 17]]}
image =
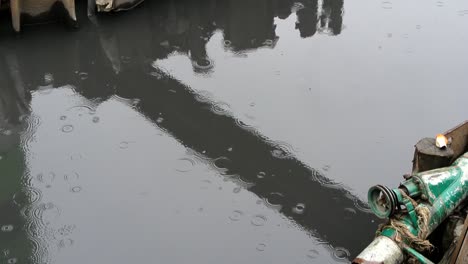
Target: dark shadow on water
{"points": [[15, 245], [109, 57]]}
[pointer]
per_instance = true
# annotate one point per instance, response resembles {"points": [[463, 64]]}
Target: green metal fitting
{"points": [[444, 190]]}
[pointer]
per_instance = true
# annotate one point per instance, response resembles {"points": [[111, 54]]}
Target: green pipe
{"points": [[438, 192], [417, 255]]}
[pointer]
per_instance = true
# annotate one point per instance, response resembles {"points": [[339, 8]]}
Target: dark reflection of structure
{"points": [[332, 16], [307, 19], [110, 57], [15, 246], [330, 213], [250, 29]]}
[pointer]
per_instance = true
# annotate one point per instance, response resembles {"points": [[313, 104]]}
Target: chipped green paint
{"points": [[440, 190]]}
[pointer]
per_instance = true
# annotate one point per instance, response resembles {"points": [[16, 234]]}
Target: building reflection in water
{"points": [[107, 55]]}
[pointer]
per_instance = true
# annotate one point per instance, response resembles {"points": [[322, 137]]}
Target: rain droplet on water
{"points": [[222, 163], [123, 145], [63, 117], [48, 206], [312, 254], [12, 261], [48, 79], [261, 175], [268, 42], [279, 153], [71, 177], [261, 247], [164, 44], [96, 119], [135, 102], [259, 220], [27, 197], [341, 253], [387, 5], [227, 43], [236, 215], [236, 190], [76, 189], [202, 64], [7, 132], [7, 228], [159, 120], [83, 75], [275, 198], [350, 210], [65, 243], [67, 128], [299, 208], [184, 165], [46, 178]]}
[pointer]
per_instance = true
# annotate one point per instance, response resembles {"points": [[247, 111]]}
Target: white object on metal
{"points": [[381, 250]]}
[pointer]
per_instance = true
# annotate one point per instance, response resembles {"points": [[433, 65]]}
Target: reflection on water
{"points": [[111, 158]]}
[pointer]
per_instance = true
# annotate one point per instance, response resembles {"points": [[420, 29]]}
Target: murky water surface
{"points": [[219, 131]]}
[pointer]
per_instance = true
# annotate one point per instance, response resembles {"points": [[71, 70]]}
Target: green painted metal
{"points": [[440, 191], [417, 255]]}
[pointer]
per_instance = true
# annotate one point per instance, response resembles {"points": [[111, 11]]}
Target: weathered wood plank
{"points": [[427, 156]]}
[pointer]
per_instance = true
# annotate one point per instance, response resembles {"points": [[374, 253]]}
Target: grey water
{"points": [[219, 131]]}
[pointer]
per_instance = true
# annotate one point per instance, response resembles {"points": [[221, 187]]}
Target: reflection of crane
{"points": [[328, 210]]}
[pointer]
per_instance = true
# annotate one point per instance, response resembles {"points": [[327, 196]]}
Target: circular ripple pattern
{"points": [[259, 220], [236, 215], [46, 177], [76, 189], [66, 243], [340, 253], [313, 254], [7, 228], [72, 177], [27, 196], [261, 247], [12, 261], [275, 198], [222, 163], [185, 165], [261, 175], [299, 208], [67, 128], [123, 145]]}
